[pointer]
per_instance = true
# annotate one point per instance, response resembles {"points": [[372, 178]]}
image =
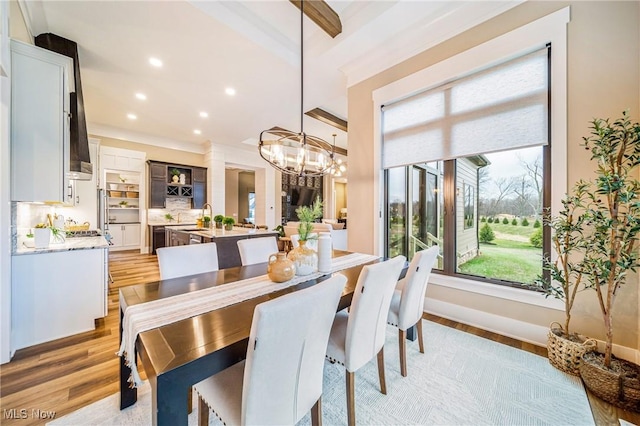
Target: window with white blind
{"points": [[467, 168]]}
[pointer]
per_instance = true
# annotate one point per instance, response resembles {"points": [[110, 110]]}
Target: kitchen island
{"points": [[227, 241]]}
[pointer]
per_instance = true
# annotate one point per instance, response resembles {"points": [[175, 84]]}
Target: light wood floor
{"points": [[70, 373]]}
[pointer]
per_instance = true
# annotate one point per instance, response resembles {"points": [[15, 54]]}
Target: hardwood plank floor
{"points": [[66, 374]]}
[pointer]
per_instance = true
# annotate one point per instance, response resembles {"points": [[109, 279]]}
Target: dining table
{"points": [[178, 355]]}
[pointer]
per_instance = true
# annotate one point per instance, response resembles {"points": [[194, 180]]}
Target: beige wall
{"points": [[17, 26], [156, 153], [341, 197], [603, 79], [246, 184], [231, 193]]}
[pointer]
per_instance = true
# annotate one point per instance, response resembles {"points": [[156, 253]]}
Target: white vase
{"points": [[41, 237], [324, 252], [182, 179], [304, 259]]}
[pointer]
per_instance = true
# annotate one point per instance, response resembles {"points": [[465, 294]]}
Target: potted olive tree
{"points": [[565, 279], [612, 220]]}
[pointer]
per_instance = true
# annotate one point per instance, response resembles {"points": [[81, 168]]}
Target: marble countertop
{"points": [[78, 243], [218, 233], [171, 224]]}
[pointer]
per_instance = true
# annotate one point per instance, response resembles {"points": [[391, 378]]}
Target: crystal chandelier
{"points": [[297, 153]]}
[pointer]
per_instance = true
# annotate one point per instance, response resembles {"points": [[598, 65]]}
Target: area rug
{"points": [[461, 379]]}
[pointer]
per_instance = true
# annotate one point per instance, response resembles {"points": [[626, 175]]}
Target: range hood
{"points": [[80, 161]]}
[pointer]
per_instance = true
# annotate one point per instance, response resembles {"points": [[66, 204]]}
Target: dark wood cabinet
{"points": [[199, 187], [158, 239], [162, 187], [157, 185]]}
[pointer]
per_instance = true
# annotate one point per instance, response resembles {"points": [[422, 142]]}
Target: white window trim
{"points": [[495, 290], [549, 29]]}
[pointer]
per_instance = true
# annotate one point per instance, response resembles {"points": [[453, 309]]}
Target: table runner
{"points": [[157, 313]]}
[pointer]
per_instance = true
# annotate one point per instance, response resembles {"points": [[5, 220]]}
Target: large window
{"points": [[466, 165]]}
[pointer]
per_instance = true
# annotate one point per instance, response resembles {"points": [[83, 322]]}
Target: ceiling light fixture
{"points": [[339, 167], [204, 114], [197, 132], [141, 96], [132, 116], [230, 91], [297, 153], [155, 62]]}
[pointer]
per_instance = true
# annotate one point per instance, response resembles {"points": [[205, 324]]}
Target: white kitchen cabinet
{"points": [[57, 294], [124, 236], [121, 159], [40, 87]]}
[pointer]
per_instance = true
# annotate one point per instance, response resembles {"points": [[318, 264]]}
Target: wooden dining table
{"points": [[178, 355]]}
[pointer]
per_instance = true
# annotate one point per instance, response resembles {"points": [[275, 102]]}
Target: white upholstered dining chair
{"points": [[407, 302], [257, 250], [358, 336], [179, 261], [281, 378]]}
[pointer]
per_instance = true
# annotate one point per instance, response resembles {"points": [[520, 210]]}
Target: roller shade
{"points": [[500, 108]]}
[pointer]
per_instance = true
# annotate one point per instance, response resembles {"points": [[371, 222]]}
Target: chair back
{"points": [[369, 309], [285, 356], [179, 261], [257, 250], [312, 244], [415, 287]]}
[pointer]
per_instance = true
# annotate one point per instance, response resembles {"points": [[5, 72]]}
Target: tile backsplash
{"points": [[175, 207]]}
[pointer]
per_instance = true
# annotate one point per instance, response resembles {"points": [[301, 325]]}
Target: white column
{"points": [[215, 161]]}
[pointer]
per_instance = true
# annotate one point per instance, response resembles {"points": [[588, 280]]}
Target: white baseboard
{"points": [[524, 331]]}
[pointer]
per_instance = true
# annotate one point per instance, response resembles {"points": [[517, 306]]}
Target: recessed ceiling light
{"points": [[204, 114], [197, 132], [132, 116], [155, 62], [141, 96], [230, 91]]}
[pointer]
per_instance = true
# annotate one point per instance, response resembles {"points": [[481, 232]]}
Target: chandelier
{"points": [[339, 167], [297, 153]]}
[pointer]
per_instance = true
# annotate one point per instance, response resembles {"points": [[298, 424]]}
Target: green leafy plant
{"points": [[536, 238], [490, 220], [536, 224], [175, 172], [612, 213], [123, 203], [218, 218], [486, 234], [307, 215], [280, 230], [567, 241], [514, 221], [505, 221], [228, 220], [525, 222], [168, 217]]}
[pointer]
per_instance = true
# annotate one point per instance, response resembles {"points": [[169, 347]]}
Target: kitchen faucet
{"points": [[210, 212]]}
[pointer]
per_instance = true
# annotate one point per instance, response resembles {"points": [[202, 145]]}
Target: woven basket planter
{"points": [[565, 354], [619, 385]]}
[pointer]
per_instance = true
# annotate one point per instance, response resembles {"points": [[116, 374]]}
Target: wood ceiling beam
{"points": [[322, 14], [327, 118]]}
